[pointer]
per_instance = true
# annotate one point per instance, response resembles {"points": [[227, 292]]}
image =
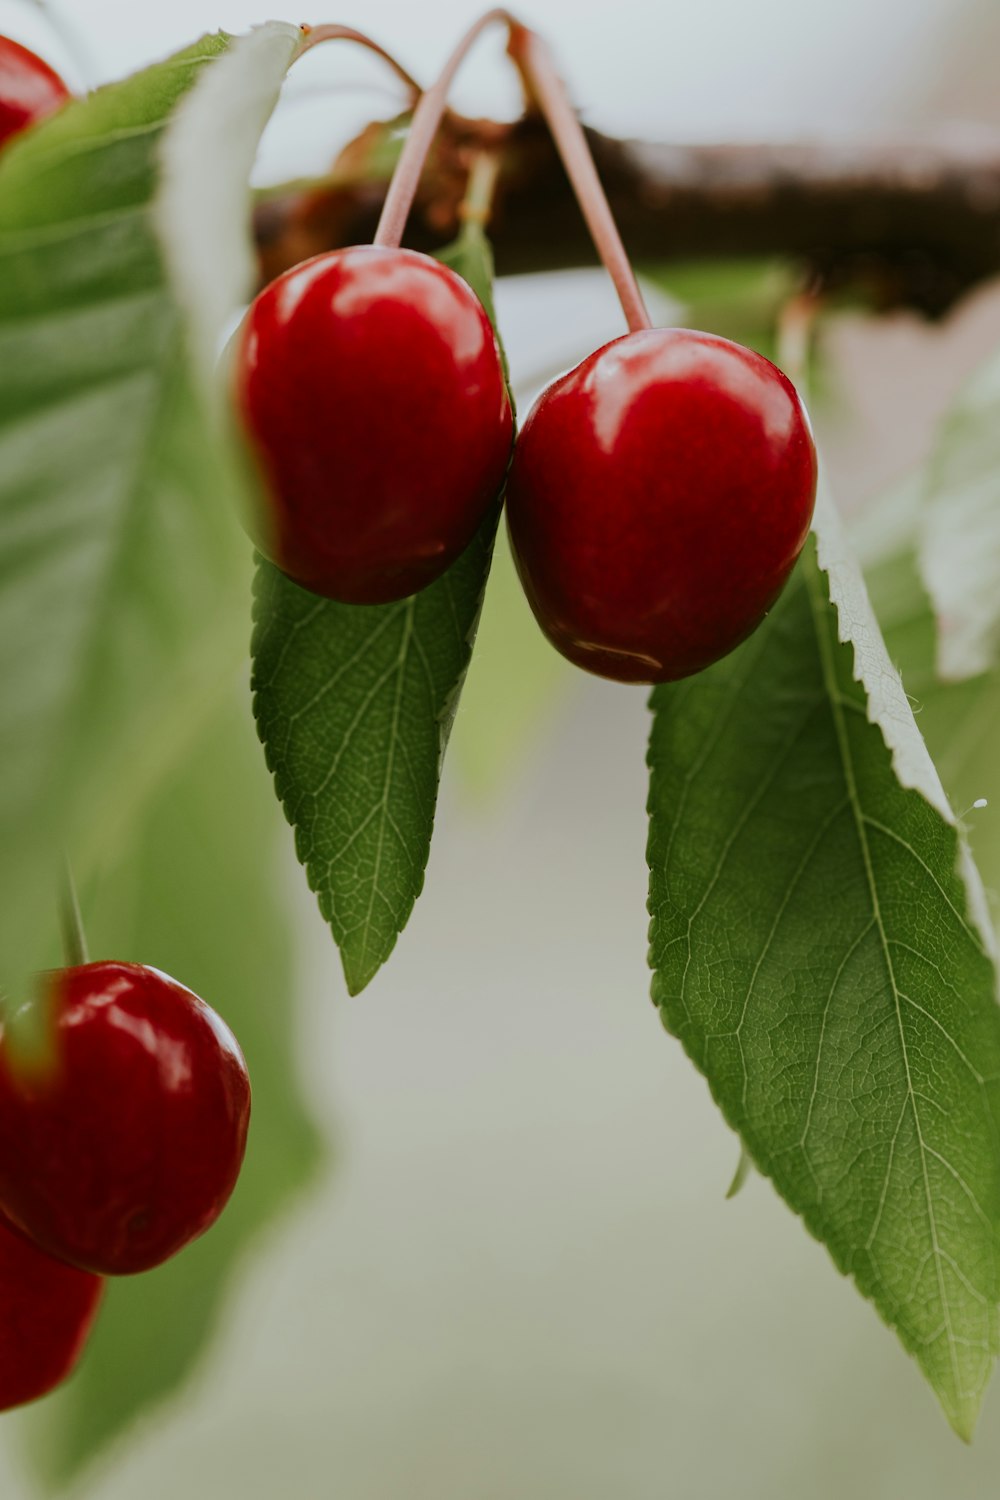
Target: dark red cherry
{"points": [[659, 496], [127, 1142], [47, 1309], [370, 383], [29, 89]]}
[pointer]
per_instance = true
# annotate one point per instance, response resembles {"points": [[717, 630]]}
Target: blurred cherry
{"points": [[47, 1309], [29, 89], [126, 1142]]}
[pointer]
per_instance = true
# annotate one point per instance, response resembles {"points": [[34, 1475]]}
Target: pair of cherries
{"points": [[659, 493], [657, 499]]}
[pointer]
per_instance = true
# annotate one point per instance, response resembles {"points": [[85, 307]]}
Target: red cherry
{"points": [[129, 1141], [370, 382], [29, 89], [659, 496], [47, 1309]]}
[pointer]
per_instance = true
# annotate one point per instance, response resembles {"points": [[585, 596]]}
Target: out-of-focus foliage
{"points": [[960, 529], [124, 602], [960, 720], [122, 570], [738, 299]]}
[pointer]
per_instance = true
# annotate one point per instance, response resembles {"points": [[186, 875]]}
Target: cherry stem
{"points": [[312, 36], [73, 937], [427, 118], [534, 59], [545, 88]]}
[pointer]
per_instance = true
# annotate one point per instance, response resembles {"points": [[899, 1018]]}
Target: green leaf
{"points": [[121, 562], [960, 533], [820, 949], [198, 893], [354, 707]]}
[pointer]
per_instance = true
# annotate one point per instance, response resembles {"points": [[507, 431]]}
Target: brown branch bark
{"points": [[914, 224]]}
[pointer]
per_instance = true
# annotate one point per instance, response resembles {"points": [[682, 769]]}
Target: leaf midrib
{"points": [[390, 760]]}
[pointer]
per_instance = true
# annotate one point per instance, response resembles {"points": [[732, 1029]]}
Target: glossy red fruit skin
{"points": [[128, 1144], [659, 496], [47, 1309], [371, 385], [29, 89]]}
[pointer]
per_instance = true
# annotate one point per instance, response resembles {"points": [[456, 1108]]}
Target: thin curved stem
{"points": [[312, 36], [534, 60], [426, 120]]}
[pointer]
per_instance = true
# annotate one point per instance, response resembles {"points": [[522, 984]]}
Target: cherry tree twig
{"points": [[535, 62], [902, 223]]}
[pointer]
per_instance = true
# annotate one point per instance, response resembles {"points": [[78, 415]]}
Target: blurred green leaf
{"points": [[825, 964], [960, 720], [740, 299], [354, 706], [200, 893], [122, 569], [959, 549], [204, 208]]}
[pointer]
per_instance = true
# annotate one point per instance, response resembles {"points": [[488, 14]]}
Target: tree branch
{"points": [[913, 224]]}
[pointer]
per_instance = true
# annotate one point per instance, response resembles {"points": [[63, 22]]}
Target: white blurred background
{"points": [[521, 1279], [716, 70]]}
